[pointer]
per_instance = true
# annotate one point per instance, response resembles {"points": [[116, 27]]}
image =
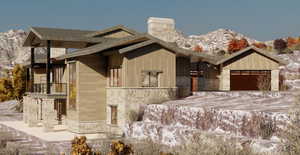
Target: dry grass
{"points": [[291, 136], [213, 145]]}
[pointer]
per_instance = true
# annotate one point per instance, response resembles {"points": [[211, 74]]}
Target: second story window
{"points": [[150, 78]]}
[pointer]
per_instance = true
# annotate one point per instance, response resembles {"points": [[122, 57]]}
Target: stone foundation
{"points": [[39, 110], [86, 127], [130, 101]]}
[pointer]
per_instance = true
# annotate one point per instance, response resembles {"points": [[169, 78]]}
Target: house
{"points": [[249, 69], [109, 75], [107, 78]]}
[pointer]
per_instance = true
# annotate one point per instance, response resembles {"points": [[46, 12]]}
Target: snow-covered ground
{"points": [[7, 112], [255, 116]]}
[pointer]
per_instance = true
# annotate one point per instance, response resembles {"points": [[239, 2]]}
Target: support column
{"points": [[48, 67], [31, 79], [225, 80], [275, 80]]}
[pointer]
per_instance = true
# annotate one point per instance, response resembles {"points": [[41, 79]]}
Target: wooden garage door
{"points": [[250, 80]]}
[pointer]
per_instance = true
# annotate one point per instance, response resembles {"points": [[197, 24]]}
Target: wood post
{"points": [[31, 78], [48, 65]]}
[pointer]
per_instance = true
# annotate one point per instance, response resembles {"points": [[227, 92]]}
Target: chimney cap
{"points": [[161, 20]]}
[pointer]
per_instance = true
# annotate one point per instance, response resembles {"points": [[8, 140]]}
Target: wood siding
{"points": [[251, 61], [152, 58], [92, 88], [39, 75], [182, 66]]}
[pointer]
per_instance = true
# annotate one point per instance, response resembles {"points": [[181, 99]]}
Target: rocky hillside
{"points": [[11, 50], [210, 42]]}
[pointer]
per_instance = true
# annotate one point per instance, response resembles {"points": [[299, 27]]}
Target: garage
{"points": [[250, 80]]}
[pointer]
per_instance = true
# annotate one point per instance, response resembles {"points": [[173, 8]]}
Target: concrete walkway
{"points": [[59, 134]]}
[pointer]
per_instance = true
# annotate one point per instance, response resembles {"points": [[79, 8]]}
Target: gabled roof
{"points": [[255, 49], [103, 46], [58, 34], [135, 42], [112, 29], [72, 35]]}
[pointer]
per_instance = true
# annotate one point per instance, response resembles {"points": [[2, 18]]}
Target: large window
{"points": [[72, 86], [150, 78], [115, 78]]}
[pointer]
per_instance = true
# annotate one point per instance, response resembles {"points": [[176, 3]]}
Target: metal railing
{"points": [[41, 88]]}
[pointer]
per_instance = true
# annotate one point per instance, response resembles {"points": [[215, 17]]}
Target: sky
{"points": [[259, 19]]}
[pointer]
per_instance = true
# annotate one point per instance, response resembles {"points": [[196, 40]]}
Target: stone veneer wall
{"points": [[132, 99], [86, 127], [39, 110]]}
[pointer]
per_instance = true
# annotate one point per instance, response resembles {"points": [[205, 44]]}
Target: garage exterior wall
{"points": [[252, 61]]}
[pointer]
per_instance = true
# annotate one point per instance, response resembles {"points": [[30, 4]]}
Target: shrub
{"points": [[6, 89], [212, 145], [280, 45], [19, 82], [291, 135], [292, 41], [263, 83], [119, 147], [221, 53], [260, 45], [237, 45], [198, 48]]}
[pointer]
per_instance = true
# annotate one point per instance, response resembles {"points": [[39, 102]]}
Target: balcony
{"points": [[55, 88]]}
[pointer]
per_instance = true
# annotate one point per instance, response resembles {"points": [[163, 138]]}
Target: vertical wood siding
{"points": [[151, 57], [253, 61], [92, 88]]}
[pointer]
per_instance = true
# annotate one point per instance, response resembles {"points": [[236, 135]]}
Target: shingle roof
{"points": [[112, 29], [258, 50], [103, 46], [138, 41], [60, 34], [72, 35]]}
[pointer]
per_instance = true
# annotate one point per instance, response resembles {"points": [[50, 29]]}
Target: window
{"points": [[150, 78], [72, 86], [115, 77], [114, 114]]}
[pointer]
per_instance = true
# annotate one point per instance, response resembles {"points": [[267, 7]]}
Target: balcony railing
{"points": [[41, 88]]}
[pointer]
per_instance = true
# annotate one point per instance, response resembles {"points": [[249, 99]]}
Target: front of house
{"points": [[108, 78], [111, 74]]}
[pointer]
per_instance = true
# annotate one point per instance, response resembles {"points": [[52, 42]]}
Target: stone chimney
{"points": [[162, 28]]}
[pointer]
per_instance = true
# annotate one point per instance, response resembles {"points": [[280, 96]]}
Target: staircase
{"points": [[24, 143]]}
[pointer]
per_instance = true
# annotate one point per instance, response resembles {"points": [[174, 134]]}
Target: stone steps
{"points": [[24, 142]]}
